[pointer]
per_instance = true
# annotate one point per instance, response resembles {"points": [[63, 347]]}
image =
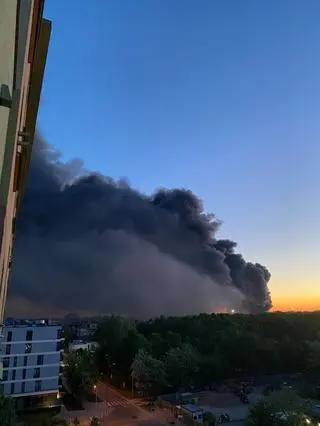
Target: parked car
{"points": [[224, 418]]}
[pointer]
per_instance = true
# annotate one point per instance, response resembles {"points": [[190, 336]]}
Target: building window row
{"points": [[6, 361], [17, 389], [28, 348], [36, 377], [29, 335], [36, 374]]}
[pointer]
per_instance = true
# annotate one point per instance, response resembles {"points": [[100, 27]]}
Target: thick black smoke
{"points": [[92, 244]]}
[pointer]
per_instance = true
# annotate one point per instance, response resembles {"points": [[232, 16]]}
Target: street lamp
{"points": [[95, 390]]}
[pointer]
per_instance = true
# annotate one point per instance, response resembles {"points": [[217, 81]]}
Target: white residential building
{"points": [[79, 345], [31, 355]]}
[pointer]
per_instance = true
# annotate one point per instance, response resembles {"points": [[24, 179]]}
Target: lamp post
{"points": [[95, 390]]}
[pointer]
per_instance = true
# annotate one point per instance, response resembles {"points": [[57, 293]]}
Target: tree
{"points": [[94, 421], [50, 421], [282, 408], [129, 347], [285, 400], [148, 373], [110, 335], [261, 414], [209, 419], [80, 373], [182, 365], [225, 345], [76, 421], [313, 361], [7, 411]]}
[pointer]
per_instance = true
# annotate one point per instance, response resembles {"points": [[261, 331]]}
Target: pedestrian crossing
{"points": [[122, 402], [117, 402]]}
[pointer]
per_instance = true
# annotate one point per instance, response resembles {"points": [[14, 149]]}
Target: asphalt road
{"points": [[127, 412], [123, 411]]}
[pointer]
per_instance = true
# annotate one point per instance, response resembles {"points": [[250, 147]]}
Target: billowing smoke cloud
{"points": [[86, 243]]}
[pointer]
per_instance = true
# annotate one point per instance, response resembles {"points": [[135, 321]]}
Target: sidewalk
{"points": [[91, 409]]}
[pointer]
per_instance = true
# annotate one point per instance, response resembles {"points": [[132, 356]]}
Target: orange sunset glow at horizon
{"points": [[295, 304], [295, 292], [309, 301]]}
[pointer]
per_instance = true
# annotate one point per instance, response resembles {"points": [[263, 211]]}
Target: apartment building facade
{"points": [[83, 329], [24, 41], [32, 353]]}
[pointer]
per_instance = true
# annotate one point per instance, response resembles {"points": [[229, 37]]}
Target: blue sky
{"points": [[222, 97]]}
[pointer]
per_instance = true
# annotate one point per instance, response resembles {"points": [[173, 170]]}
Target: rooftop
{"points": [[12, 322], [191, 408]]}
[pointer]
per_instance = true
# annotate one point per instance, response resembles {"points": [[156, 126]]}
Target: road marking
{"points": [[118, 402]]}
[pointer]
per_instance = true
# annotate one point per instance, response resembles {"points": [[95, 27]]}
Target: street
{"points": [[122, 411]]}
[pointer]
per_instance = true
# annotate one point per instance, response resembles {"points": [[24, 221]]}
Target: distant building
{"points": [[83, 329], [31, 357], [24, 37], [79, 345], [194, 412]]}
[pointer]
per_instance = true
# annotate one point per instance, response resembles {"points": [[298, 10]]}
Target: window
{"points": [[15, 361], [12, 388], [24, 373], [8, 349], [5, 376], [9, 337], [36, 373], [28, 348], [40, 360], [25, 361], [13, 374], [23, 387], [6, 362], [38, 385], [29, 335]]}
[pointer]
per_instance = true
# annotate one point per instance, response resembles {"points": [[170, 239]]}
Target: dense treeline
{"points": [[194, 351]]}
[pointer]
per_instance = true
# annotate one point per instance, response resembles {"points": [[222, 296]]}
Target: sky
{"points": [[218, 96]]}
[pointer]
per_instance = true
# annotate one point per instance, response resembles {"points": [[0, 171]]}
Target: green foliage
{"points": [[197, 350], [94, 421], [314, 357], [182, 365], [7, 411], [209, 419], [261, 414], [119, 342], [49, 421], [80, 373], [282, 408], [287, 400], [148, 373]]}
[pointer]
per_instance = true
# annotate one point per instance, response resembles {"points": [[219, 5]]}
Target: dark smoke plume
{"points": [[86, 243]]}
